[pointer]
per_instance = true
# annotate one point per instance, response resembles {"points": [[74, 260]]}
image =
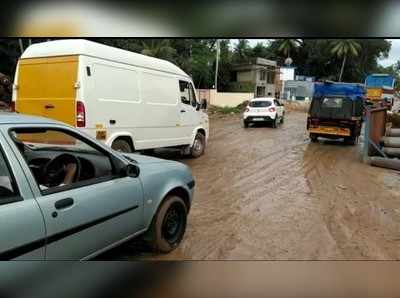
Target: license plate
{"points": [[331, 130], [258, 119]]}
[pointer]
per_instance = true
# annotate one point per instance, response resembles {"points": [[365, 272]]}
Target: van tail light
{"points": [[272, 109], [12, 106], [80, 114]]}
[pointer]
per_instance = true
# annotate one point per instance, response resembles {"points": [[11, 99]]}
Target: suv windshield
{"points": [[259, 104]]}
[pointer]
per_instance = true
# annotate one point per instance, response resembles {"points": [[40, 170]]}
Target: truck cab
{"points": [[336, 111]]}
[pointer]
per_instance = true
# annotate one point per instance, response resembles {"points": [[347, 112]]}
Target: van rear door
{"points": [[46, 87]]}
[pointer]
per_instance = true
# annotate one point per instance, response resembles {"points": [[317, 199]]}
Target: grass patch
{"points": [[225, 110]]}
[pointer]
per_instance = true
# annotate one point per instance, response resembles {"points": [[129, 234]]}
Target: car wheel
{"points": [[275, 122], [199, 145], [313, 137], [245, 124], [122, 146], [283, 118], [169, 225]]}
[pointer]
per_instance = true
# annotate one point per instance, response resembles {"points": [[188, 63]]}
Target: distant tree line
{"points": [[349, 60]]}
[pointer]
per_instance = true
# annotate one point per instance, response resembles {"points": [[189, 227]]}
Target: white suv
{"points": [[264, 109]]}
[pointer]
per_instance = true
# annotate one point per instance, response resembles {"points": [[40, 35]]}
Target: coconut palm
{"points": [[289, 45], [343, 48], [158, 48]]}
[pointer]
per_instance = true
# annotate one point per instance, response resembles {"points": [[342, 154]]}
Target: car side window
{"points": [[185, 92], [60, 159], [8, 188]]}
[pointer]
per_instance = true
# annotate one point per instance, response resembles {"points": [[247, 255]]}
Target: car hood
{"points": [[143, 159]]}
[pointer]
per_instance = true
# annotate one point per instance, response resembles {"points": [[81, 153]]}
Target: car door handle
{"points": [[64, 203], [183, 111], [50, 106]]}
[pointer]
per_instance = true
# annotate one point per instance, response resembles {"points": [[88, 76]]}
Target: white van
{"points": [[127, 100]]}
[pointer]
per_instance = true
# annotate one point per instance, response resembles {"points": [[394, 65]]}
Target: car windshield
{"points": [[260, 104]]}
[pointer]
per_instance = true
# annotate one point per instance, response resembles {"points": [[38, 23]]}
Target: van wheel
{"points": [[198, 146], [168, 225], [122, 146]]}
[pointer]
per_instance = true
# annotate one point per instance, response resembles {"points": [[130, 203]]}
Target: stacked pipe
{"points": [[391, 147]]}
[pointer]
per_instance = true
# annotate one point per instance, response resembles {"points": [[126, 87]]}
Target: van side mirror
{"points": [[203, 104]]}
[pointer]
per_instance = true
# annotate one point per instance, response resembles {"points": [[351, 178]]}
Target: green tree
{"points": [[342, 48], [242, 51], [158, 48], [288, 45]]}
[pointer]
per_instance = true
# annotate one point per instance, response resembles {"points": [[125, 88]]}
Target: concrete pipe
{"points": [[393, 132], [391, 142], [392, 151], [385, 163]]}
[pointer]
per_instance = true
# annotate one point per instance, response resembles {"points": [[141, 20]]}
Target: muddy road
{"points": [[264, 193]]}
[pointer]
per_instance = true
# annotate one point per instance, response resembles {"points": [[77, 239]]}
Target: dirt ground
{"points": [[270, 194]]}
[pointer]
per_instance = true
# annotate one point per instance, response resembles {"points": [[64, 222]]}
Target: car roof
{"points": [[263, 99], [16, 118]]}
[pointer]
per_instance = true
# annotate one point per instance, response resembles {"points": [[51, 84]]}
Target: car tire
{"points": [[169, 225], [275, 122], [313, 137], [283, 118], [245, 124], [122, 146], [199, 145]]}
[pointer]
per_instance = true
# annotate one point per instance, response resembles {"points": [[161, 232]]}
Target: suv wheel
{"points": [[275, 122], [169, 225]]}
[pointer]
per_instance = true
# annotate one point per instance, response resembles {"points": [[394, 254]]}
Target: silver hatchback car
{"points": [[63, 195]]}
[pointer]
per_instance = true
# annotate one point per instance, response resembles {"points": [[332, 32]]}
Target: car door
{"points": [[87, 216], [188, 104], [22, 230]]}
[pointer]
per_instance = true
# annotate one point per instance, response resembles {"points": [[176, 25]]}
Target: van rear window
{"points": [[259, 104]]}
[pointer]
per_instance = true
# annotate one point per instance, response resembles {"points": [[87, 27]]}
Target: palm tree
{"points": [[158, 48], [343, 48], [289, 45]]}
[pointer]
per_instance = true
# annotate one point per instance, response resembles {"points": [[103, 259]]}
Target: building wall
{"points": [[224, 99], [244, 76]]}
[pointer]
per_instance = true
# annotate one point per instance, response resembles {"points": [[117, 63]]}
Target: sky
{"points": [[394, 53]]}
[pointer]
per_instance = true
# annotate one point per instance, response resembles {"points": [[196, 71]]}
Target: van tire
{"points": [[160, 239], [122, 146], [199, 145]]}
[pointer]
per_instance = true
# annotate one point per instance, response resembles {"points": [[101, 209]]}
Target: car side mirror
{"points": [[130, 170], [203, 104]]}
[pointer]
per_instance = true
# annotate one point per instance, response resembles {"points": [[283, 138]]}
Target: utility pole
{"points": [[21, 46], [216, 67]]}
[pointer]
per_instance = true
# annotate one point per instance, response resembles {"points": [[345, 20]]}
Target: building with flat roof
{"points": [[257, 75]]}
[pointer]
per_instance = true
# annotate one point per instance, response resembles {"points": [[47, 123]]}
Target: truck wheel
{"points": [[122, 146], [351, 140], [313, 137], [198, 146], [169, 225]]}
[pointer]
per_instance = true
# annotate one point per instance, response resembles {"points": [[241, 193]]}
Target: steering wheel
{"points": [[53, 172]]}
